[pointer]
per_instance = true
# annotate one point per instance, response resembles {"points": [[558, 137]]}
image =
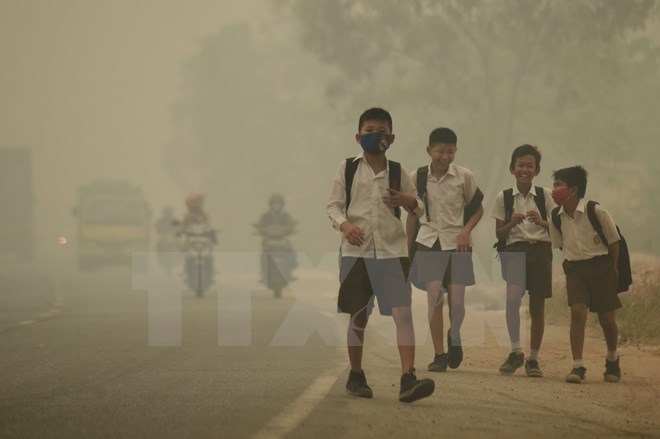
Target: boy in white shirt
{"points": [[364, 204], [443, 256], [522, 227], [590, 268]]}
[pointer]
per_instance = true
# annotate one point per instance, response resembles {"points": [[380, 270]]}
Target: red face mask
{"points": [[561, 195]]}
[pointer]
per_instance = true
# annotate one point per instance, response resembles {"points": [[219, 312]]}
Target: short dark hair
{"points": [[523, 150], [442, 135], [375, 113], [575, 176]]}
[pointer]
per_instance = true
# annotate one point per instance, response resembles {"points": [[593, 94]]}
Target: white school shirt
{"points": [[578, 239], [384, 233], [527, 230], [446, 199]]}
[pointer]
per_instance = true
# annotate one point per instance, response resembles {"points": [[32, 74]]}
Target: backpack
{"points": [[623, 264], [500, 245], [470, 209], [394, 179]]}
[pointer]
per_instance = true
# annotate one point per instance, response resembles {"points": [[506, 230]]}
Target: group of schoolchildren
{"points": [[443, 205]]}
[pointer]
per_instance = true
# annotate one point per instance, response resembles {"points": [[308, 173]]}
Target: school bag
{"points": [[468, 211], [394, 179], [623, 264], [500, 245]]}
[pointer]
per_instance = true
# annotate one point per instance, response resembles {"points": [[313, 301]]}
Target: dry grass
{"points": [[639, 319]]}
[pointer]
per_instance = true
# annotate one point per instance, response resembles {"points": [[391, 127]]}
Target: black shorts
{"points": [[362, 279], [450, 266]]}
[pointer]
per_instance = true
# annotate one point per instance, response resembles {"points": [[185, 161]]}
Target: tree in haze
{"points": [[557, 73], [250, 121]]}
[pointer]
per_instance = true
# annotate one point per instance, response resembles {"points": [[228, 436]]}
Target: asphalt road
{"points": [[98, 355], [89, 370]]}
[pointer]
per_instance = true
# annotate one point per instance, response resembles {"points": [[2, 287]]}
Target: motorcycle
{"points": [[278, 259], [198, 244], [168, 248]]}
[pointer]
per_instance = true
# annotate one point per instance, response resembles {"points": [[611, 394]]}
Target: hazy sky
{"points": [[88, 85]]}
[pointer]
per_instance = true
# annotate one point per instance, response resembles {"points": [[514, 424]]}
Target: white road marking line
{"points": [[296, 412], [26, 322]]}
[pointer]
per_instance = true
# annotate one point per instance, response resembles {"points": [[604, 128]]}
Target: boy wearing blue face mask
{"points": [[591, 268], [364, 206]]}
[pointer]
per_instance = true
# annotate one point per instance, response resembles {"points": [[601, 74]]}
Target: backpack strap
{"points": [[508, 204], [422, 180], [539, 199], [591, 213], [473, 206], [556, 219], [349, 173], [395, 181]]}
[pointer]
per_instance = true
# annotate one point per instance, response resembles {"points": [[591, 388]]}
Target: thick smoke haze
{"points": [[243, 99]]}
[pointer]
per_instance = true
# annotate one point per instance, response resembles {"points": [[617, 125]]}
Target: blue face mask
{"points": [[375, 143]]}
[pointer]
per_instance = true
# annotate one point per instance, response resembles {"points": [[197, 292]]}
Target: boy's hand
{"points": [[517, 218], [463, 241], [353, 234], [534, 217], [399, 199]]}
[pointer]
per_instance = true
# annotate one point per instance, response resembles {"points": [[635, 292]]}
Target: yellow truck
{"points": [[113, 222], [17, 223]]}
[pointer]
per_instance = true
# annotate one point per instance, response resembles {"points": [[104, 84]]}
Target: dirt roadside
{"points": [[474, 401]]}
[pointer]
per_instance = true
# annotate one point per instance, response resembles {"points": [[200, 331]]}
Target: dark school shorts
{"points": [[362, 279], [451, 267], [529, 265], [593, 283]]}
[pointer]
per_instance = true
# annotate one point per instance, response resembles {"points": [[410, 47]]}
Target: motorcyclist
{"points": [[275, 226], [166, 223], [197, 221], [167, 245]]}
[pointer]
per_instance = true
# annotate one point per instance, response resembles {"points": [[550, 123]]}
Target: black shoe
{"points": [[512, 363], [577, 375], [413, 389], [439, 363], [357, 385], [532, 369], [454, 353], [612, 371]]}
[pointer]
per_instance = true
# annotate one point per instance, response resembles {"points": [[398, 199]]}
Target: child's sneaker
{"points": [[577, 375], [439, 363], [532, 369], [454, 353], [512, 363], [612, 371], [357, 385], [413, 389]]}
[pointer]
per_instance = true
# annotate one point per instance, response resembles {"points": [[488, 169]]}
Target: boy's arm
{"points": [[614, 255], [555, 235], [337, 198], [463, 241], [414, 205], [411, 225], [611, 234]]}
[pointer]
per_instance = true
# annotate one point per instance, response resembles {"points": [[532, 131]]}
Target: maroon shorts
{"points": [[529, 265], [592, 282]]}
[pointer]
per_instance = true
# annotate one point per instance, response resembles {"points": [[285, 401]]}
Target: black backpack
{"points": [[500, 245], [623, 264], [394, 177], [470, 209]]}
